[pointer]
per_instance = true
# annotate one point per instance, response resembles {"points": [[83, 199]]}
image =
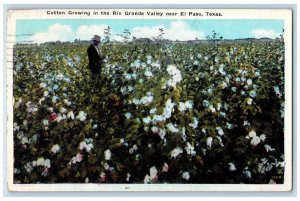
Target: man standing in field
{"points": [[95, 57]]}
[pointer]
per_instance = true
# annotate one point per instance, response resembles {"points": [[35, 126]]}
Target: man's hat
{"points": [[96, 38]]}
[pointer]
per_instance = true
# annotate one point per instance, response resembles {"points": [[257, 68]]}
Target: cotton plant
{"points": [[188, 102]]}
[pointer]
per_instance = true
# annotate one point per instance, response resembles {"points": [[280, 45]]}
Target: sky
{"points": [[40, 31]]}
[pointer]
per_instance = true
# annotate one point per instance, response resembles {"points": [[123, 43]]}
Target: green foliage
{"points": [[231, 87]]}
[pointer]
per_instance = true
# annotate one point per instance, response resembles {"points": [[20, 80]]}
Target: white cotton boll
{"points": [[255, 141], [46, 93], [41, 100], [194, 124], [233, 89], [127, 76], [162, 133], [175, 152], [172, 128], [249, 101], [232, 167], [24, 140], [252, 134], [133, 76], [219, 106], [185, 175], [59, 76], [147, 179], [196, 62], [149, 93], [82, 145], [59, 118], [252, 93], [153, 173], [89, 147], [148, 73], [25, 122], [247, 173], [269, 148], [209, 142], [62, 110], [55, 148], [182, 107], [147, 120], [43, 85], [106, 166], [146, 100], [95, 126], [70, 115], [54, 99], [123, 90], [128, 115], [112, 169], [55, 87], [28, 167], [47, 163], [165, 168], [153, 111], [154, 129], [220, 131], [157, 118], [81, 116], [136, 101], [277, 91], [130, 88], [171, 69], [40, 161], [128, 177], [107, 154], [190, 149], [206, 103], [189, 104], [249, 81], [171, 83], [246, 123], [262, 137], [212, 109], [86, 180], [223, 114], [20, 135]]}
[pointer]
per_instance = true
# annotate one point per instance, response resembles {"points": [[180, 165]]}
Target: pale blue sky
{"points": [[68, 29]]}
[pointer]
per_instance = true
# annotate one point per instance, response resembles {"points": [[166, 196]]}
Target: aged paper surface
{"points": [[183, 100]]}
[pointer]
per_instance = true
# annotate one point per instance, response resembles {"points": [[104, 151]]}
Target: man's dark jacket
{"points": [[95, 60]]}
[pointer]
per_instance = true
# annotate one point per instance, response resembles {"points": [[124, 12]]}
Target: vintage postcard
{"points": [[149, 100]]}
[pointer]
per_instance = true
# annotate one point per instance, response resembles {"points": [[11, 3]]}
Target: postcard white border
{"points": [[284, 14]]}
